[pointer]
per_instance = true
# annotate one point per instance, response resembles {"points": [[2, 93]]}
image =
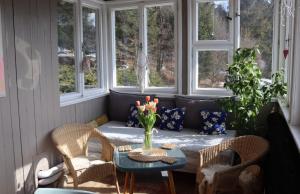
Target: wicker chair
{"points": [[251, 150], [71, 140]]}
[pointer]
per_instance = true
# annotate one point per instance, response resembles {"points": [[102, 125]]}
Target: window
{"points": [[212, 44], [153, 28], [66, 48], [285, 28], [161, 45], [217, 28], [211, 68], [127, 41], [89, 48], [256, 23], [78, 49], [213, 23]]}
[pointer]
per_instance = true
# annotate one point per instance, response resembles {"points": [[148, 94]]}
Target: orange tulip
{"points": [[156, 100], [147, 106], [138, 103], [148, 98], [154, 109]]}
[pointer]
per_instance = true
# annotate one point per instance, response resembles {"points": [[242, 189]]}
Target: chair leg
{"points": [[117, 184], [75, 182], [132, 183], [171, 182], [126, 182]]}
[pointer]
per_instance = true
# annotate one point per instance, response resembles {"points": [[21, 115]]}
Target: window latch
{"points": [[229, 18]]}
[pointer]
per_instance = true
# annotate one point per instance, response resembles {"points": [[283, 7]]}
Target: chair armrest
{"points": [[208, 155], [108, 148]]}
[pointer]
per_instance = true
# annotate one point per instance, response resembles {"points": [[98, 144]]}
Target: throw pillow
{"points": [[214, 122], [172, 119], [133, 120]]}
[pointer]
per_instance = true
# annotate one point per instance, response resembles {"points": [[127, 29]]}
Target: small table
{"points": [[129, 166]]}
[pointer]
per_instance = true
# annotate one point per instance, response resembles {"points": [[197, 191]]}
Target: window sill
{"points": [[75, 99], [295, 130], [160, 91], [211, 92]]}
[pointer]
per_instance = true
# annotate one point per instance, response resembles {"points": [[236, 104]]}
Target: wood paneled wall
{"points": [[31, 110]]}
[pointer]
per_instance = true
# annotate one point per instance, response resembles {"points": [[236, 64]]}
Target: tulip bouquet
{"points": [[147, 118]]}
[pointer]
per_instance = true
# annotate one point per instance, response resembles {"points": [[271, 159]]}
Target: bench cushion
{"points": [[190, 141]]}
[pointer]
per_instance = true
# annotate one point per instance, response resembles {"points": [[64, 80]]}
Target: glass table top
{"points": [[125, 164]]}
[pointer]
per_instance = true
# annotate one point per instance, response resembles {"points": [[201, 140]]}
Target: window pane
{"points": [[212, 68], [66, 51], [89, 48], [257, 29], [127, 39], [212, 20], [161, 45]]}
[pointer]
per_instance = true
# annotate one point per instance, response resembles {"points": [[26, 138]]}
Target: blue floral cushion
{"points": [[171, 119], [133, 120], [213, 122]]}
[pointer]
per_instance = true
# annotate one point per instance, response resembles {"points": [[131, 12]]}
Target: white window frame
{"points": [[141, 6], [285, 31], [234, 43], [81, 93], [195, 45]]}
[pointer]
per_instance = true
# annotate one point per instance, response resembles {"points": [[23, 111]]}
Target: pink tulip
{"points": [[138, 103]]}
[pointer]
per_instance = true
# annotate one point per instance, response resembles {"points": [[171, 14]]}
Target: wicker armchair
{"points": [[251, 150], [71, 140]]}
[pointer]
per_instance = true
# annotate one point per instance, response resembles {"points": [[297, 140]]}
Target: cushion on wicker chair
{"points": [[84, 162], [210, 171]]}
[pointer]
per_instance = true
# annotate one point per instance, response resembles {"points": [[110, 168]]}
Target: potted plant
{"points": [[250, 92]]}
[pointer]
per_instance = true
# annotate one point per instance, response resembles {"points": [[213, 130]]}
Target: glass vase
{"points": [[148, 139]]}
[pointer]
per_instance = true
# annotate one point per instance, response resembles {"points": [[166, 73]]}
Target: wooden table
{"points": [[130, 167]]}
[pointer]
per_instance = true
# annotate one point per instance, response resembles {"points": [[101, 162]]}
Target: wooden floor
{"points": [[145, 184]]}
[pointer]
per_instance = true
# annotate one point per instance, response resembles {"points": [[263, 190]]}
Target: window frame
{"points": [[285, 40], [141, 7], [234, 43], [195, 45], [82, 94]]}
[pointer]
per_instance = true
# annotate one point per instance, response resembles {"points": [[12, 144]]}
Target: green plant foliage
{"points": [[244, 79], [66, 78]]}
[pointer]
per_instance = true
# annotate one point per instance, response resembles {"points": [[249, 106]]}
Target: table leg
{"points": [[132, 182], [166, 183], [126, 182], [171, 182]]}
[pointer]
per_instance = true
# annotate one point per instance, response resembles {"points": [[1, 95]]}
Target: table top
{"points": [[125, 164]]}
